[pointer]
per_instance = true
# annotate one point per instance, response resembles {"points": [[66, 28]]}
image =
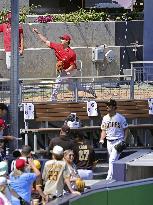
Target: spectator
{"points": [[21, 182], [5, 196], [3, 169], [37, 191], [6, 29], [84, 156], [16, 155], [3, 180], [62, 140], [5, 137], [69, 158], [25, 155], [55, 173]]}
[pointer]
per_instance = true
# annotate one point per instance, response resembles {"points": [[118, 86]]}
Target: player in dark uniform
{"points": [[62, 140], [84, 156]]}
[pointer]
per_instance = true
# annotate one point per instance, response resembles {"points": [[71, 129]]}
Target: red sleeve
{"points": [[73, 60], [53, 45], [1, 27]]}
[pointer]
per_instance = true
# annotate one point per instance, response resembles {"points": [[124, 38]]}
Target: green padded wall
{"points": [[133, 195], [97, 198], [137, 195]]}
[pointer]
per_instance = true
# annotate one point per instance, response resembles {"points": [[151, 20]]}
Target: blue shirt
{"points": [[23, 185]]}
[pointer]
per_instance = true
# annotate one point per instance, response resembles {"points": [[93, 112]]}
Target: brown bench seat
{"points": [[131, 109]]}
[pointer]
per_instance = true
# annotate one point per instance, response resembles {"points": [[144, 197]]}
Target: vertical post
{"points": [[14, 84], [35, 142], [26, 132], [132, 83], [76, 90]]}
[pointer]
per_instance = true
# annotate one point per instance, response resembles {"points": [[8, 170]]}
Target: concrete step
{"points": [[100, 172]]}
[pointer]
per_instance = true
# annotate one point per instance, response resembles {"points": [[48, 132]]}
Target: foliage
{"points": [[44, 19], [24, 11], [81, 16], [86, 16]]}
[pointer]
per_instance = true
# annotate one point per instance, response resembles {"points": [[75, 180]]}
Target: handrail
{"points": [[82, 128]]}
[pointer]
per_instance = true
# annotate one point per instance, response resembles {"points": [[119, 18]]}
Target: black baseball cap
{"points": [[65, 128], [111, 102]]}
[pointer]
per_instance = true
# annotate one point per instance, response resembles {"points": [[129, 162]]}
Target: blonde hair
{"points": [[16, 173], [66, 152]]}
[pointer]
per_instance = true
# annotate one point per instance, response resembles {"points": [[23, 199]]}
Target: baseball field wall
{"points": [[39, 61], [138, 193]]}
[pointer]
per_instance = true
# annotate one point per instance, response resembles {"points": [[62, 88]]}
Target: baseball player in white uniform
{"points": [[114, 128]]}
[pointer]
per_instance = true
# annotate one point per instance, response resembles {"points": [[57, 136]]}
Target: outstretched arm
{"points": [[42, 38]]}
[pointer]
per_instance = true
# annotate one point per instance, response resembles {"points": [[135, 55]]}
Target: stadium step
{"points": [[100, 172]]}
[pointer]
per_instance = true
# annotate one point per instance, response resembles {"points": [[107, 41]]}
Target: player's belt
{"points": [[111, 140]]}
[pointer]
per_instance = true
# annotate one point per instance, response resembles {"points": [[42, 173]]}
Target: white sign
{"points": [[92, 108], [150, 103], [28, 111]]}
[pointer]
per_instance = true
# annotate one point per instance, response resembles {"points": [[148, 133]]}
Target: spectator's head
{"points": [[37, 164], [65, 39], [57, 152], [111, 105], [26, 151], [20, 164], [65, 130], [69, 156], [3, 168], [16, 153], [3, 109], [79, 135]]}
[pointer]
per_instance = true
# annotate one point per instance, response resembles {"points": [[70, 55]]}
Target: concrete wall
{"points": [[39, 61]]}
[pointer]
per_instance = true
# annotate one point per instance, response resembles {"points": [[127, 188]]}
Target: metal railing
{"points": [[106, 87], [137, 85]]}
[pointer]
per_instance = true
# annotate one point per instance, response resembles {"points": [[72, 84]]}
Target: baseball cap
{"points": [[66, 37], [65, 128], [3, 168], [58, 150], [37, 164], [20, 163], [111, 102]]}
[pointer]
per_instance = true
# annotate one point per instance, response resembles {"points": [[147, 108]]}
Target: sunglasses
{"points": [[71, 155]]}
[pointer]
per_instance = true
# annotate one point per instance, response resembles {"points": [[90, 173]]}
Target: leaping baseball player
{"points": [[66, 64], [115, 129]]}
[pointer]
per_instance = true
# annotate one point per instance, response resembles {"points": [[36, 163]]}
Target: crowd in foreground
{"points": [[31, 181]]}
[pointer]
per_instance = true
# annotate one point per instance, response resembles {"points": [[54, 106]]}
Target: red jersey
{"points": [[67, 56], [6, 29]]}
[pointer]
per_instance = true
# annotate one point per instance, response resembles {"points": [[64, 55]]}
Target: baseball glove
{"points": [[120, 146], [80, 185], [59, 66]]}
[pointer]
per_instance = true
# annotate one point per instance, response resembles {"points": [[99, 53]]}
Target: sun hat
{"points": [[3, 168]]}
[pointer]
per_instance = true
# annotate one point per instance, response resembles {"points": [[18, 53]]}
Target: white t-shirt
{"points": [[114, 126]]}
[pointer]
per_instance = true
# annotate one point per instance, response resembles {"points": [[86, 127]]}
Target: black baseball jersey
{"points": [[84, 155], [65, 142]]}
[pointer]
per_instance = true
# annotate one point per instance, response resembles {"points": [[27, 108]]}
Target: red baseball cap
{"points": [[2, 123], [66, 37], [20, 163]]}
